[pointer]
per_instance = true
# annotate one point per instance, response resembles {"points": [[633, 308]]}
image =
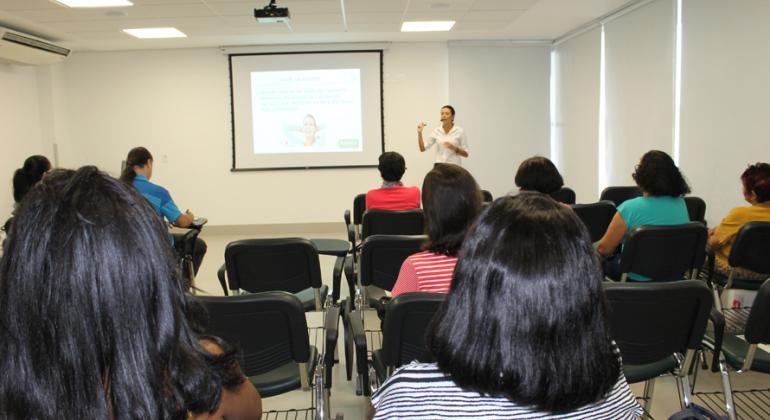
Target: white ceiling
{"points": [[231, 22]]}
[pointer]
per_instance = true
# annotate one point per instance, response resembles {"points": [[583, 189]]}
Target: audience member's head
{"points": [[542, 338], [538, 174], [451, 200], [392, 166], [92, 310], [657, 175], [35, 167], [756, 183], [138, 158]]}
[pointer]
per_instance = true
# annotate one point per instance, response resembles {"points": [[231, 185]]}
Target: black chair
{"points": [[739, 349], [750, 251], [620, 194], [664, 253], [403, 337], [359, 207], [187, 253], [696, 209], [487, 196], [658, 328], [564, 195], [287, 264], [271, 333], [381, 259], [596, 217]]}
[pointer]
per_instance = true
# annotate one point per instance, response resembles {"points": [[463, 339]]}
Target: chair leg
{"points": [[728, 390], [649, 387]]}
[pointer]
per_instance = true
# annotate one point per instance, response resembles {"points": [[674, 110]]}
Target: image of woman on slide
{"points": [[450, 140], [309, 130]]}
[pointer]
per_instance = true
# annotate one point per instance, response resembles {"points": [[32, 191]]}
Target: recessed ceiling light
{"points": [[145, 33], [427, 26], [94, 3]]}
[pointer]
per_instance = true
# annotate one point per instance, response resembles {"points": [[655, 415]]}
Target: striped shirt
{"points": [[422, 391], [425, 272]]}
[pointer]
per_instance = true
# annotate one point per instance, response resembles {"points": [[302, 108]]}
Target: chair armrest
{"points": [[222, 282], [347, 217], [339, 265], [718, 319], [352, 236], [711, 259], [359, 338], [331, 332]]}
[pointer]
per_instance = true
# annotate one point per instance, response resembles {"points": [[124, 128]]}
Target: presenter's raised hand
{"points": [[420, 126]]}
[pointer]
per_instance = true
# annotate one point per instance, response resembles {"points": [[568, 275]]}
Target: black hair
{"points": [[451, 199], [657, 175], [451, 109], [756, 179], [28, 175], [137, 157], [538, 174], [92, 316], [392, 166], [525, 317]]}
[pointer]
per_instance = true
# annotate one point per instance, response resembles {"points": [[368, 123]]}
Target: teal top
{"points": [[661, 211]]}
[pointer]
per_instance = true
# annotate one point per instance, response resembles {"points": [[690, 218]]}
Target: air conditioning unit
{"points": [[20, 48]]}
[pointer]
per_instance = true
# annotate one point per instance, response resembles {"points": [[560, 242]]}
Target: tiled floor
{"points": [[343, 398]]}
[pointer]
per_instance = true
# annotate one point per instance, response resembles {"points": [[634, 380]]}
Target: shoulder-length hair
{"points": [[538, 174], [756, 179], [137, 157], [92, 316], [28, 175], [658, 175], [451, 200], [525, 317]]}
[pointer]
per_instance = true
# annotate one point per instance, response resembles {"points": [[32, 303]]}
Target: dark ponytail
{"points": [[28, 175], [138, 156]]}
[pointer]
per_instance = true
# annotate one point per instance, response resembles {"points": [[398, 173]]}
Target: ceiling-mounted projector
{"points": [[272, 13]]}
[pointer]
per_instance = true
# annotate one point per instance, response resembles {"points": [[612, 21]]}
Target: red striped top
{"points": [[425, 272]]}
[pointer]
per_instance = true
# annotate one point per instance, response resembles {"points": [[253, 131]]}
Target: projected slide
{"points": [[304, 110], [307, 111]]}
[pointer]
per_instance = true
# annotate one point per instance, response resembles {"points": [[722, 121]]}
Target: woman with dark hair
{"points": [[392, 195], [523, 332], [756, 191], [451, 200], [450, 140], [34, 169], [538, 174], [92, 314], [661, 203]]}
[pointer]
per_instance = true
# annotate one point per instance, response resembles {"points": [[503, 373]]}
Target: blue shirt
{"points": [[660, 211], [158, 197]]}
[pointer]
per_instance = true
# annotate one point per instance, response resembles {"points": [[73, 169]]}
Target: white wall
{"points": [[176, 103], [22, 116], [500, 93], [725, 97]]}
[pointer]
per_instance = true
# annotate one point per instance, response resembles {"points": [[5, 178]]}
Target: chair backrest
{"points": [[751, 248], [188, 242], [261, 265], [696, 209], [596, 217], [382, 256], [359, 207], [269, 328], [651, 321], [664, 253], [487, 196], [564, 195], [404, 327], [620, 194], [758, 324], [392, 222]]}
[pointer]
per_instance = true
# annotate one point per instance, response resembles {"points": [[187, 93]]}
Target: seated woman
{"points": [[393, 195], [538, 174], [93, 314], [523, 332], [661, 203], [756, 191], [451, 200]]}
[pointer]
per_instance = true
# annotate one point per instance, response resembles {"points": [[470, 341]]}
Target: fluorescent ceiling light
{"points": [[427, 26], [95, 3], [145, 33]]}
